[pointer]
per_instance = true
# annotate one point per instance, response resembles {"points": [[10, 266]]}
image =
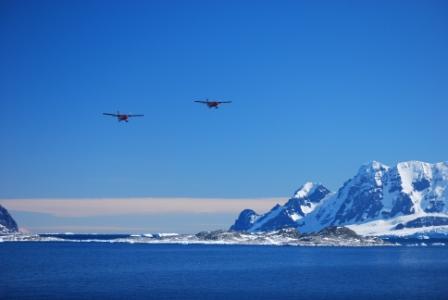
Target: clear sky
{"points": [[318, 88]]}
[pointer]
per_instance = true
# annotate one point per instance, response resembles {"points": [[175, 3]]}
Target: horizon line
{"points": [[89, 207]]}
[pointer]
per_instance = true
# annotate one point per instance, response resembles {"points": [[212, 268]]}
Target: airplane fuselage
{"points": [[123, 118], [213, 104]]}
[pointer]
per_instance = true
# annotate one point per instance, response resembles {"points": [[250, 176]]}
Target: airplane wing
{"points": [[199, 101], [113, 115], [136, 115]]}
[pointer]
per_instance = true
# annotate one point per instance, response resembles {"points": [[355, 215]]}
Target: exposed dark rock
{"points": [[7, 221], [342, 232], [217, 235], [422, 184], [290, 233], [245, 220], [399, 226], [427, 221], [435, 206], [282, 220], [403, 205]]}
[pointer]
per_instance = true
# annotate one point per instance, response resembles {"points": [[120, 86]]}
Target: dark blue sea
{"points": [[64, 270]]}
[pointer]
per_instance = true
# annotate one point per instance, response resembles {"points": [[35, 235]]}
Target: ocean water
{"points": [[55, 270]]}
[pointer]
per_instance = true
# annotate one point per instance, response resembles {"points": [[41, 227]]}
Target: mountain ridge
{"points": [[407, 195], [7, 223]]}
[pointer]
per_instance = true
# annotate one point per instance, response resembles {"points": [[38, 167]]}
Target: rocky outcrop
{"points": [[7, 223]]}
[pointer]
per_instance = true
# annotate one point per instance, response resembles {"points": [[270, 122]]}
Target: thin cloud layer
{"points": [[129, 206]]}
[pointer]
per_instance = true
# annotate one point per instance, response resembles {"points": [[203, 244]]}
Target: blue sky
{"points": [[318, 88]]}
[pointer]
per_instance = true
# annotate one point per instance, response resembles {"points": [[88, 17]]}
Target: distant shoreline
{"points": [[279, 238]]}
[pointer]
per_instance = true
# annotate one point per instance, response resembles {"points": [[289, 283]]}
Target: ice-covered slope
{"points": [[304, 201], [410, 197], [379, 193], [7, 223]]}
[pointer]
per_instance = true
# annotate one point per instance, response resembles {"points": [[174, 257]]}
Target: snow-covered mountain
{"points": [[408, 198], [245, 221], [303, 202], [7, 223]]}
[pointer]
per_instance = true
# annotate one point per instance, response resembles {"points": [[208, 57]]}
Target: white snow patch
{"points": [[307, 189], [295, 217], [387, 227], [308, 209]]}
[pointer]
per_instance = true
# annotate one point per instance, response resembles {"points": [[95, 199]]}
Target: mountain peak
{"points": [[7, 223], [311, 190], [373, 167], [245, 220], [304, 201]]}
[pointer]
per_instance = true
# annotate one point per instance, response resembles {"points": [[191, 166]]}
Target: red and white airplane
{"points": [[122, 117], [213, 104]]}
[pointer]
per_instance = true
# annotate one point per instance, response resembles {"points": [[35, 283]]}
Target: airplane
{"points": [[122, 117], [213, 104]]}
